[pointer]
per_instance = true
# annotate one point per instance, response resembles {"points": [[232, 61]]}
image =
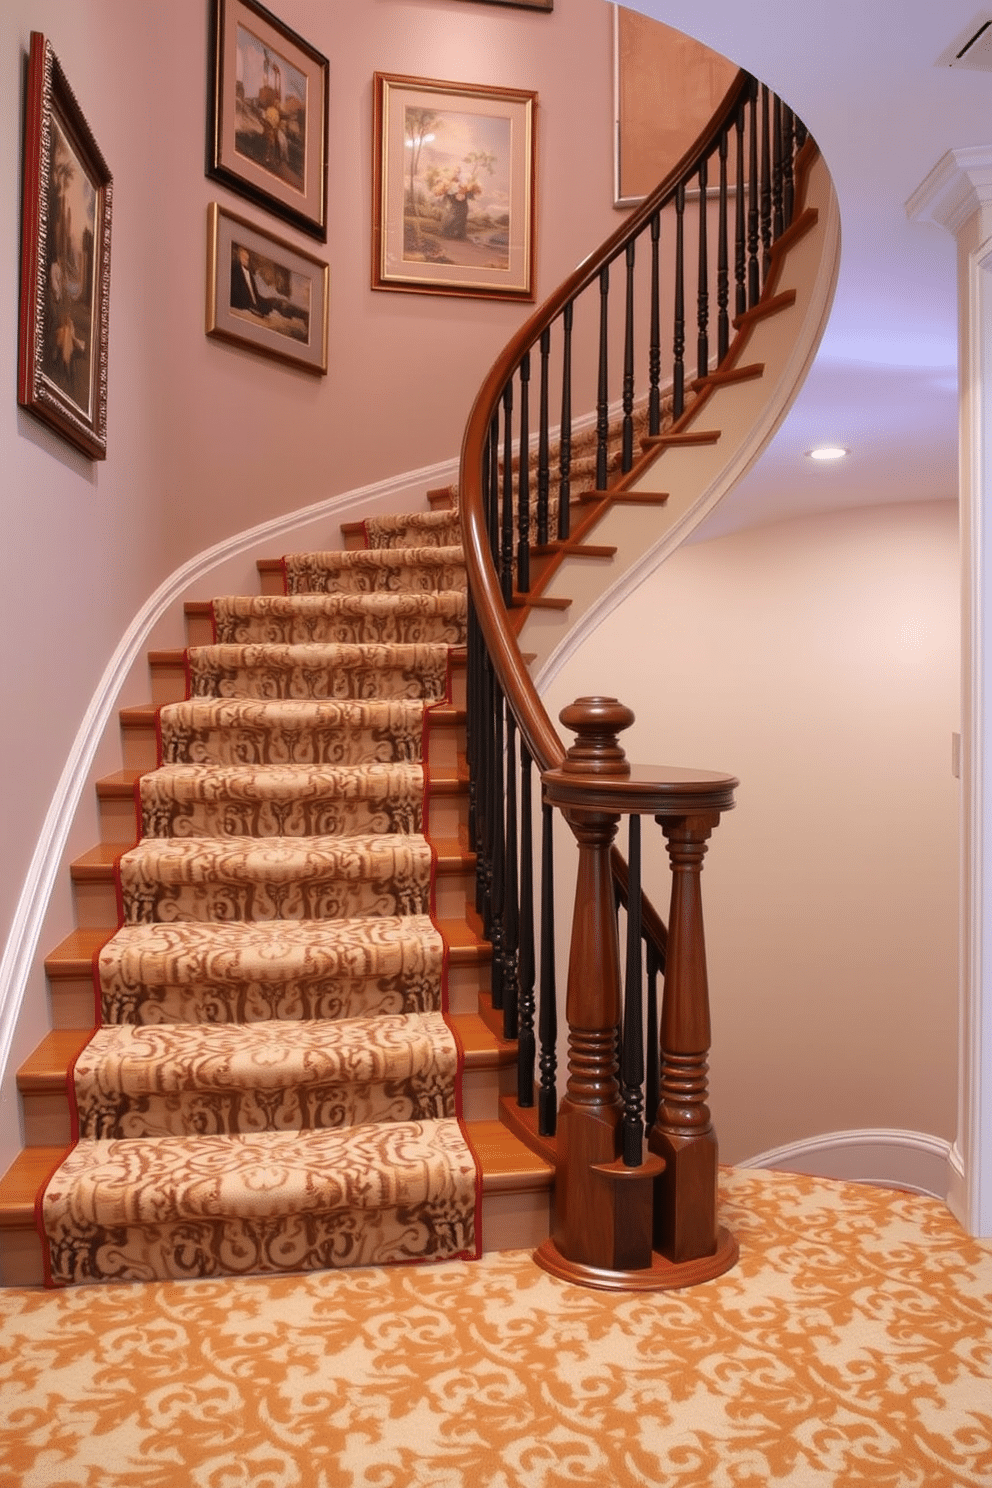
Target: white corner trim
{"points": [[958, 185], [22, 943], [887, 1157]]}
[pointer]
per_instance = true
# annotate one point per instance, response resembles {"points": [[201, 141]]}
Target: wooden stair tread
{"points": [[119, 785], [482, 1048], [764, 308], [507, 1165], [505, 1162], [682, 438], [723, 376], [20, 1184], [73, 957], [47, 1067]]}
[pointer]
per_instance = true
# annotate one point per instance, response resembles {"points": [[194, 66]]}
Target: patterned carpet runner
{"points": [[274, 1085]]}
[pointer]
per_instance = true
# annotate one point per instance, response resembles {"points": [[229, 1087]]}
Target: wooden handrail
{"points": [[616, 1209], [539, 733]]}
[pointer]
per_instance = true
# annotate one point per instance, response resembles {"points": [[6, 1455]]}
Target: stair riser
{"points": [[118, 820], [46, 1118]]}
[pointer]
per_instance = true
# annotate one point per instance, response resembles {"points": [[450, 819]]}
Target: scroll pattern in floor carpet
{"points": [[851, 1347]]}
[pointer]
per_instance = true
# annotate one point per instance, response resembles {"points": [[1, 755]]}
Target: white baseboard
{"points": [[890, 1158]]}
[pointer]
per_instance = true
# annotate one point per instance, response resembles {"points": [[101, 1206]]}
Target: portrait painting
{"points": [[264, 293]]}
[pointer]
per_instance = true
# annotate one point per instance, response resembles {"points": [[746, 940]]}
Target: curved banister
{"points": [[505, 502], [511, 668]]}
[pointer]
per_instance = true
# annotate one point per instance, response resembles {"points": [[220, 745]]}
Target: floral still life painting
{"points": [[454, 189]]}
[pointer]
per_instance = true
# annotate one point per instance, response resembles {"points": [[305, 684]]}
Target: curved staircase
{"points": [[295, 1064], [297, 1024]]}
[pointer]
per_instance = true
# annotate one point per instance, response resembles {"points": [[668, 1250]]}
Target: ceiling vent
{"points": [[973, 48]]}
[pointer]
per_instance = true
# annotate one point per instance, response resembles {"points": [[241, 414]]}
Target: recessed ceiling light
{"points": [[827, 452]]}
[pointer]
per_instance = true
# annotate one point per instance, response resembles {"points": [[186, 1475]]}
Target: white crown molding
{"points": [[888, 1157], [957, 187], [26, 926]]}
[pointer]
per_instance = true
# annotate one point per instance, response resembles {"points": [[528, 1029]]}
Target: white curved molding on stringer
{"points": [[887, 1157], [786, 388], [47, 860]]}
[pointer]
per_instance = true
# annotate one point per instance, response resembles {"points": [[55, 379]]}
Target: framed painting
{"points": [[65, 261], [520, 4], [265, 294], [453, 188], [666, 87], [267, 128]]}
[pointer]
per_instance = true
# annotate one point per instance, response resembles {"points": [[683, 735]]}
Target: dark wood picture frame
{"points": [[453, 207], [264, 293], [520, 4], [67, 195], [267, 137]]}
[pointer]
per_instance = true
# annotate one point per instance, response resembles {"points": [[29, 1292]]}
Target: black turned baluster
{"points": [[753, 267], [777, 169], [511, 902], [494, 929], [632, 1041], [678, 368], [654, 353], [547, 1100], [722, 263], [788, 164], [652, 1074], [565, 439], [766, 186], [526, 1051], [603, 391], [801, 133], [627, 447], [740, 236], [506, 515], [703, 290], [543, 473], [523, 494]]}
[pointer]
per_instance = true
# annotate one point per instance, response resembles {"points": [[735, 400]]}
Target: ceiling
{"points": [[866, 78]]}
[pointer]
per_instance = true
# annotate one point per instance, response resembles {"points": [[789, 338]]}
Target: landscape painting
{"points": [[268, 114], [270, 124], [453, 203], [65, 261], [67, 346]]}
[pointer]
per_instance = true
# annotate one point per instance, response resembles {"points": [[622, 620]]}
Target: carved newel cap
{"points": [[596, 722]]}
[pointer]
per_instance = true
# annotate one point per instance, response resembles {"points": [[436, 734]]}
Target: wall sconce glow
{"points": [[827, 452]]}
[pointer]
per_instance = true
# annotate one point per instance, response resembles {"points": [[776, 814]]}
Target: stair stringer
{"points": [[697, 477]]}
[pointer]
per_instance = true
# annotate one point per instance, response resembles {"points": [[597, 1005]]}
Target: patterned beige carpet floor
{"points": [[852, 1345]]}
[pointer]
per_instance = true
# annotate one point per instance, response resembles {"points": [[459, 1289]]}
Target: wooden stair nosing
{"points": [[683, 438], [724, 376], [764, 308]]}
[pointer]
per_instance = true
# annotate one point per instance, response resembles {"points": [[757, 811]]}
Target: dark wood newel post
{"points": [[651, 1225], [683, 1135]]}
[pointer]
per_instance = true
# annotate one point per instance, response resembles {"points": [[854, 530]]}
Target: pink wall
{"points": [[206, 439], [818, 661]]}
